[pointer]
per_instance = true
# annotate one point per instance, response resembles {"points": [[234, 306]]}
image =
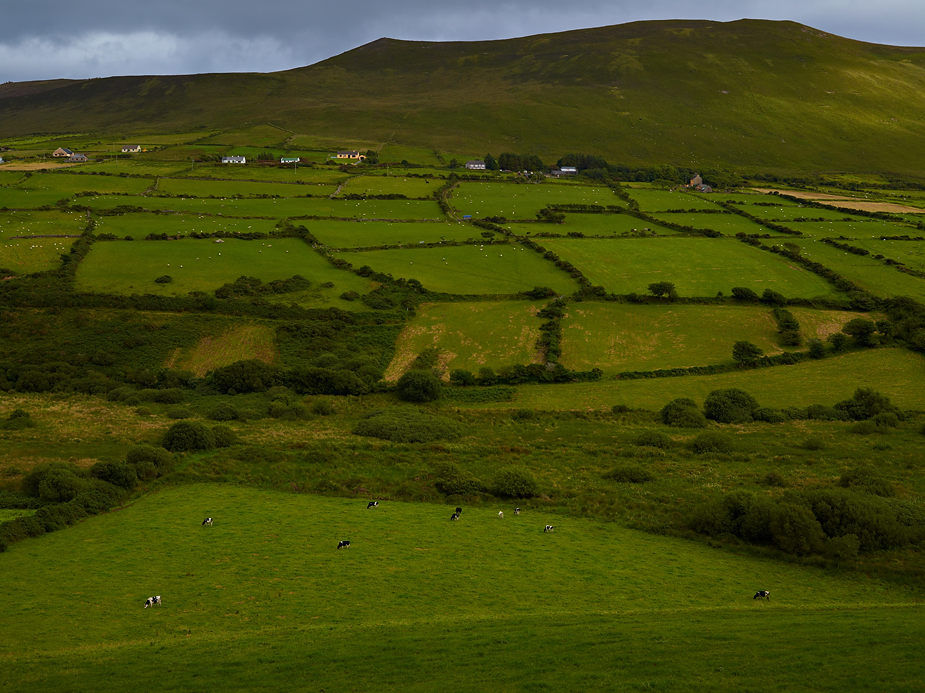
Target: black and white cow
{"points": [[372, 504], [207, 521], [517, 511], [344, 544], [153, 601], [549, 528], [762, 594], [454, 516]]}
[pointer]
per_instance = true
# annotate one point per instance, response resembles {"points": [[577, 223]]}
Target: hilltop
{"points": [[750, 95]]}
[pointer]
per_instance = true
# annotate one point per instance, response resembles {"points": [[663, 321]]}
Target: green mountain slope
{"points": [[749, 94]]}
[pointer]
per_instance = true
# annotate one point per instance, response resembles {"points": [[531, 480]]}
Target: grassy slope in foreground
{"points": [[264, 600]]}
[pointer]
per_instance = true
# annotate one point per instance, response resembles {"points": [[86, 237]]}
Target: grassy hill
{"points": [[748, 94]]}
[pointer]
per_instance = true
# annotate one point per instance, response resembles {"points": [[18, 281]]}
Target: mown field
{"points": [[477, 600]]}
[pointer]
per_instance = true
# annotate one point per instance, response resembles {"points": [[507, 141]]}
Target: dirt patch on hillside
{"points": [[846, 202], [38, 166]]}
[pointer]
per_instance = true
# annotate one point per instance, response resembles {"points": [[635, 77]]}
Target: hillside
{"points": [[751, 95]]}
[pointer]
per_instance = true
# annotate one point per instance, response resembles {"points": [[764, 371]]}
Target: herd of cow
{"points": [[345, 544]]}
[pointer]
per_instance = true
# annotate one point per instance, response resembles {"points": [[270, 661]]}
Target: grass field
{"points": [[662, 200], [696, 266], [146, 167], [850, 229], [68, 184], [245, 341], [824, 382], [266, 584], [41, 223], [603, 225], [389, 185], [785, 214], [351, 234], [16, 198], [910, 253], [228, 188], [33, 255], [396, 153], [497, 269], [515, 201], [269, 174], [621, 337], [470, 336], [138, 226], [727, 224], [196, 265]]}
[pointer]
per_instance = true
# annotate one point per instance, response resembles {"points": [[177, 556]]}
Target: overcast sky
{"points": [[46, 39]]}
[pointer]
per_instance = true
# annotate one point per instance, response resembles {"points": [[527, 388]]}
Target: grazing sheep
{"points": [[501, 514]]}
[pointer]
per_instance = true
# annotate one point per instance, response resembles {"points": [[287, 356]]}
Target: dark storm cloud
{"points": [[44, 39]]}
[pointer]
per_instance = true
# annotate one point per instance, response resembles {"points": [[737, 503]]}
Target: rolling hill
{"points": [[750, 95]]}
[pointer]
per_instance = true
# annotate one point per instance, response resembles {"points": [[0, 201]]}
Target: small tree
{"points": [[659, 289], [746, 353], [419, 386], [741, 293], [863, 331], [490, 163], [731, 405]]}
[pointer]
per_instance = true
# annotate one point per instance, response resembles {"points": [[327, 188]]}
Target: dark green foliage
{"points": [[453, 481], [769, 415], [711, 442], [224, 411], [659, 289], [18, 420], [865, 404], [119, 474], [323, 407], [55, 482], [142, 455], [524, 415], [863, 331], [773, 479], [741, 293], [419, 386], [179, 413], [250, 375], [730, 405], [773, 298], [223, 437], [746, 353], [866, 428], [462, 377], [867, 480], [796, 530], [165, 279], [188, 436], [283, 408], [823, 413], [630, 474], [514, 483], [813, 443], [816, 348], [886, 419], [653, 439], [408, 425], [683, 413]]}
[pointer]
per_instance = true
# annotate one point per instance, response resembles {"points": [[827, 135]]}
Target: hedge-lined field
{"points": [[139, 226], [351, 234], [514, 201], [229, 188]]}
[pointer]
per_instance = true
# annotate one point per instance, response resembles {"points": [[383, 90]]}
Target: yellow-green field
{"points": [[470, 336], [246, 341], [33, 255]]}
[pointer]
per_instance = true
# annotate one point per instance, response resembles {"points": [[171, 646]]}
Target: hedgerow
{"points": [[408, 425]]}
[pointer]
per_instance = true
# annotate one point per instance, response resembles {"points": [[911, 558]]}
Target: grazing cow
{"points": [[344, 544], [762, 594], [153, 601], [207, 521], [501, 514], [458, 511], [517, 511], [549, 528], [454, 516], [372, 504]]}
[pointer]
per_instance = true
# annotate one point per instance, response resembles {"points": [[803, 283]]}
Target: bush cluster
{"points": [[682, 413], [408, 425]]}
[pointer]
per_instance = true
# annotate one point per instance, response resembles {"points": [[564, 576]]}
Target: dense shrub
{"points": [[654, 439], [630, 474], [18, 420], [514, 483], [683, 413], [119, 474], [773, 479], [55, 482], [711, 442], [188, 436], [223, 436], [769, 415], [179, 413], [813, 443], [865, 404], [730, 405], [250, 375], [407, 425], [796, 530], [224, 411], [160, 458], [323, 407], [419, 386], [867, 480], [453, 481], [821, 412]]}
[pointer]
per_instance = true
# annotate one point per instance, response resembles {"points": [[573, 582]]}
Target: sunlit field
{"points": [[357, 234], [514, 201]]}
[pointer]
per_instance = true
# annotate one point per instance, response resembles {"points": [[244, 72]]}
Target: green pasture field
{"points": [[195, 265], [696, 266], [890, 371], [24, 256], [910, 253], [870, 274], [227, 188], [513, 200], [602, 225], [479, 604], [183, 153], [9, 178], [389, 185], [820, 324], [16, 198], [148, 168], [41, 223], [178, 138], [787, 214], [496, 269], [661, 200], [263, 135], [138, 226], [68, 184], [470, 336], [872, 228], [727, 224], [396, 153], [357, 234], [625, 337], [330, 145], [747, 199]]}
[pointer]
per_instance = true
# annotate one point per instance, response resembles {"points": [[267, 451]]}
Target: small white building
{"points": [[351, 154], [290, 160], [131, 148], [234, 160], [62, 152], [77, 158], [475, 165]]}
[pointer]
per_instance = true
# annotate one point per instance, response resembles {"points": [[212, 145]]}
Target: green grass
{"points": [[515, 201], [147, 167], [696, 266], [727, 224], [268, 174], [787, 214], [604, 225], [14, 198], [470, 336], [351, 234], [850, 229], [824, 382], [138, 226], [68, 184], [389, 185], [266, 585], [33, 255], [227, 188], [910, 253], [498, 269], [195, 265], [41, 223], [10, 177], [660, 201], [393, 153], [622, 337]]}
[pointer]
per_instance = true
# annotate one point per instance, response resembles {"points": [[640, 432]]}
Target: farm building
{"points": [[351, 154], [62, 153], [77, 158], [564, 171], [290, 160], [475, 165], [234, 160], [131, 148]]}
